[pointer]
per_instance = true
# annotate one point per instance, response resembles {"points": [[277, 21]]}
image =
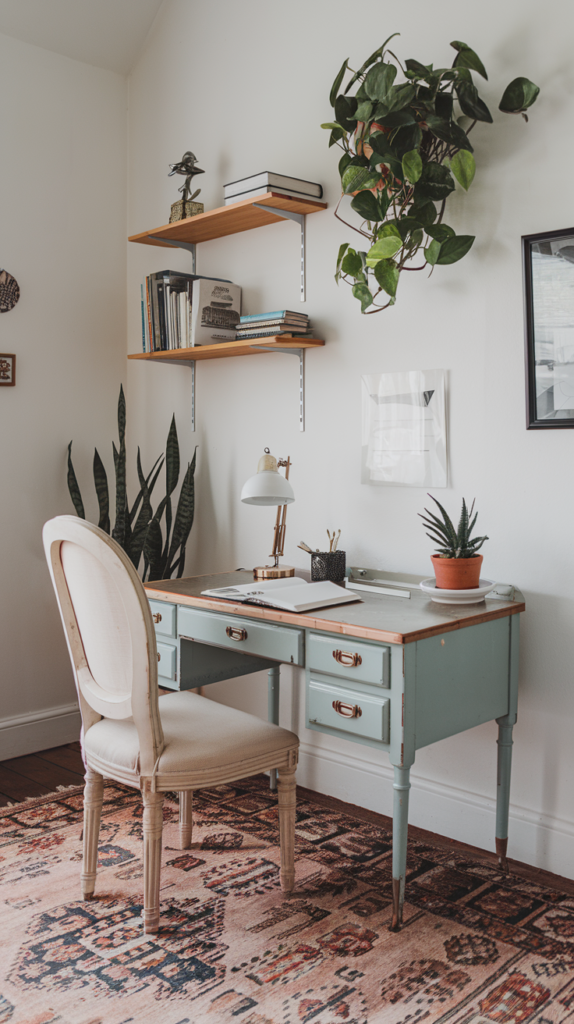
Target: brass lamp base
{"points": [[272, 572]]}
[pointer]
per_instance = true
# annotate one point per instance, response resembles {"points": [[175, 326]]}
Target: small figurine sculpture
{"points": [[186, 207]]}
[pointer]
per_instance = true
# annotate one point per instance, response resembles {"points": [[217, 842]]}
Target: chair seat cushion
{"points": [[200, 735]]}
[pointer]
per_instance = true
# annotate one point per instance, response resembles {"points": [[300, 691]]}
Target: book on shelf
{"points": [[291, 595], [167, 310], [289, 193], [276, 314], [215, 311], [277, 329], [268, 181]]}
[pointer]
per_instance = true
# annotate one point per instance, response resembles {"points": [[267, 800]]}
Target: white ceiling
{"points": [[106, 33]]}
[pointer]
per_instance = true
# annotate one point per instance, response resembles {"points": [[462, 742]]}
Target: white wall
{"points": [[245, 86], [62, 217]]}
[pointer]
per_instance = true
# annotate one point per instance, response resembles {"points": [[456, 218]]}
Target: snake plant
{"points": [[138, 530], [453, 543], [403, 147]]}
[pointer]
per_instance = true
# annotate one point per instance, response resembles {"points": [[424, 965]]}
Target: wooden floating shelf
{"points": [[229, 348], [227, 220]]}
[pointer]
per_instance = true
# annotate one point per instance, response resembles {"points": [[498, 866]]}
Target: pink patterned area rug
{"points": [[477, 947]]}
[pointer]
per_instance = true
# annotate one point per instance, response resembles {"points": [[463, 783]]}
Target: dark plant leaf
{"points": [[405, 226], [435, 182], [336, 135], [453, 249], [345, 107], [343, 162], [102, 491], [370, 60], [364, 110], [142, 480], [337, 83], [379, 81], [184, 515], [361, 292], [342, 250], [153, 549], [400, 96], [416, 68], [366, 206], [396, 119], [352, 264], [518, 96], [171, 459], [439, 231], [73, 486], [387, 275], [471, 103], [121, 529], [449, 132], [424, 211], [406, 138], [467, 58], [444, 105]]}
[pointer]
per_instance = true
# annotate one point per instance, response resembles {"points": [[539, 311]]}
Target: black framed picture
{"points": [[549, 316]]}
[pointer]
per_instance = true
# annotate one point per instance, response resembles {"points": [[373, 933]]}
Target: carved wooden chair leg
{"points": [[152, 828], [185, 818], [287, 799], [93, 799]]}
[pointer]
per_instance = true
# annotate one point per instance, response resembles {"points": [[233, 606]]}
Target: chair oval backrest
{"points": [[109, 629]]}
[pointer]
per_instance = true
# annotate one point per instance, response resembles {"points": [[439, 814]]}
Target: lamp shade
{"points": [[267, 487]]}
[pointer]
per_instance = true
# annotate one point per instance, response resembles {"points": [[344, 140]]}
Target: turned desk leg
{"points": [[401, 786], [273, 676], [503, 791], [185, 818], [93, 799]]}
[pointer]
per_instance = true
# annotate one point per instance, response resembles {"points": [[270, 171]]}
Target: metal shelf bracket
{"points": [[300, 352], [185, 362], [190, 246], [300, 219]]}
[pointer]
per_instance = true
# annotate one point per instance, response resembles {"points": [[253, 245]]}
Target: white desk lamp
{"points": [[268, 487]]}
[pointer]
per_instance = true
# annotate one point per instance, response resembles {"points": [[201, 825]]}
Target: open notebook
{"points": [[291, 595]]}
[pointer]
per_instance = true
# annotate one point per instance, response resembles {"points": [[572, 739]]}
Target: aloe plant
{"points": [[403, 147], [453, 543], [138, 529]]}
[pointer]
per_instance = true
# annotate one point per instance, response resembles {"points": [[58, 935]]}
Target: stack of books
{"points": [[268, 181], [182, 310], [280, 322]]}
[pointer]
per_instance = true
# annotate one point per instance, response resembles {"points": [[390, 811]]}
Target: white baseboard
{"points": [[40, 730], [542, 841]]}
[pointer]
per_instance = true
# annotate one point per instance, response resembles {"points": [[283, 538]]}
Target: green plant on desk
{"points": [[138, 530]]}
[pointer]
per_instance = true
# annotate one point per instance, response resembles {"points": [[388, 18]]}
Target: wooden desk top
{"points": [[394, 620]]}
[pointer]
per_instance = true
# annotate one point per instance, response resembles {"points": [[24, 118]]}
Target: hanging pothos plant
{"points": [[404, 144]]}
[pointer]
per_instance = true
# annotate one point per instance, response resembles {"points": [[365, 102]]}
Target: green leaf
{"points": [[184, 515], [152, 550], [387, 275], [389, 230], [435, 182], [342, 250], [344, 162], [432, 252], [406, 138], [453, 249], [345, 107], [444, 105], [336, 135], [383, 249], [471, 103], [337, 84], [417, 69], [101, 485], [366, 206], [364, 110], [396, 119], [352, 264], [400, 96], [121, 531], [518, 96], [379, 81], [356, 178], [361, 292], [424, 211], [73, 486], [467, 58], [439, 231], [370, 60], [448, 131], [415, 239], [463, 166], [412, 166], [330, 124]]}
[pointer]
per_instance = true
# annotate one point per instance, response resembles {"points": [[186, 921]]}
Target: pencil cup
{"points": [[328, 565]]}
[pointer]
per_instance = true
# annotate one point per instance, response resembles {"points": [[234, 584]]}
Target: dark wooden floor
{"points": [[38, 774]]}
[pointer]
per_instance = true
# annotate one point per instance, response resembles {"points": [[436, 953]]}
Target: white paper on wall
{"points": [[404, 429]]}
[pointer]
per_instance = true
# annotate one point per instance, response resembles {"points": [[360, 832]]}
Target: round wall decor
{"points": [[9, 291]]}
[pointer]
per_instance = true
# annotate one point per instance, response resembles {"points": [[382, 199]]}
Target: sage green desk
{"points": [[392, 673]]}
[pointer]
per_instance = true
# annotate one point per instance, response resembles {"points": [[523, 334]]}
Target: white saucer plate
{"points": [[474, 596]]}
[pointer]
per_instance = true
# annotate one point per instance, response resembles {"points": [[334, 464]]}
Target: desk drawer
{"points": [[353, 659], [359, 714], [166, 662], [275, 642], [164, 617]]}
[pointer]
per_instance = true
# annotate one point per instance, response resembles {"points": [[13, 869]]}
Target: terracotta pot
{"points": [[457, 573]]}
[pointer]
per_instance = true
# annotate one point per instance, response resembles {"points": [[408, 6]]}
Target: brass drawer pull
{"points": [[348, 659], [347, 710], [235, 633], [157, 617], [158, 656]]}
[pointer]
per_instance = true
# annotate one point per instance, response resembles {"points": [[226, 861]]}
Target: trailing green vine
{"points": [[404, 144]]}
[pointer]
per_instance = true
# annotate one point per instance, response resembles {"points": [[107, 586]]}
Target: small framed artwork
{"points": [[7, 370], [549, 319]]}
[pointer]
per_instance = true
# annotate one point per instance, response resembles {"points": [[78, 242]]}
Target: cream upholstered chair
{"points": [[180, 741]]}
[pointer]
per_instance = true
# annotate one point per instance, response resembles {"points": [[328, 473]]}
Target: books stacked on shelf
{"points": [[181, 310], [281, 321], [216, 311], [268, 181], [166, 311]]}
